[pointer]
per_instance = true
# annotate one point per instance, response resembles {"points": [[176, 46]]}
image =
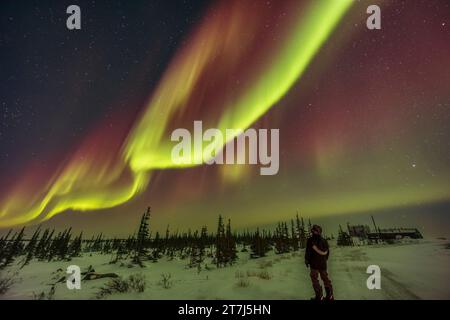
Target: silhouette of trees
{"points": [[198, 248], [142, 238]]}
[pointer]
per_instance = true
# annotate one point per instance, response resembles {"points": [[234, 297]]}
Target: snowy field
{"points": [[419, 270]]}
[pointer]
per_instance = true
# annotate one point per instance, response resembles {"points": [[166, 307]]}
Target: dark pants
{"points": [[314, 274]]}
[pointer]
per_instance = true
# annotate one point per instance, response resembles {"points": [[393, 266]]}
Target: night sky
{"points": [[364, 116]]}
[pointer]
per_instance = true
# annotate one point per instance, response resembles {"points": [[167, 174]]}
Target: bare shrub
{"points": [[137, 282], [251, 273], [6, 282], [264, 275], [45, 296], [243, 283], [134, 283], [166, 281]]}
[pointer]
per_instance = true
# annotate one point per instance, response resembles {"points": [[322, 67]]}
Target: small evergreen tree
{"points": [[281, 239], [344, 239], [30, 248], [301, 232], [231, 252], [142, 238], [259, 246], [157, 246], [75, 246], [196, 256], [13, 248], [221, 244], [294, 237]]}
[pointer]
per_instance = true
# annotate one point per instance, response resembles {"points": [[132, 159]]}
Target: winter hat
{"points": [[317, 229]]}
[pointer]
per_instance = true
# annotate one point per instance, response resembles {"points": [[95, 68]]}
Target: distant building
{"points": [[359, 231], [361, 234], [395, 234]]}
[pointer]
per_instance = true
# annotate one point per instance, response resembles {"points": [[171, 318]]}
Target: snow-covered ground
{"points": [[418, 270]]}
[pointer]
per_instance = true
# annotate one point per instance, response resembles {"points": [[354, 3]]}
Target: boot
{"points": [[319, 295], [329, 294]]}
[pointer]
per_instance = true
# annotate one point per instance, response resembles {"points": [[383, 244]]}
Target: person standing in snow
{"points": [[316, 256]]}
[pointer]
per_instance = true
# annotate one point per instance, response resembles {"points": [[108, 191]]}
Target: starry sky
{"points": [[87, 114]]}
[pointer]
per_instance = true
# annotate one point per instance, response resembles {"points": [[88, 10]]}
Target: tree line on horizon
{"points": [[196, 246]]}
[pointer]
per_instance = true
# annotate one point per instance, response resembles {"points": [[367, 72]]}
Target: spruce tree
{"points": [[294, 237], [156, 254], [4, 241], [344, 239], [221, 244], [142, 238], [259, 246], [281, 239], [301, 233], [31, 247], [196, 255], [13, 248], [231, 252], [75, 246]]}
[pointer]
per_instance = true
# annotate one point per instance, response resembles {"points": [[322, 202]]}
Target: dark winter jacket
{"points": [[314, 259]]}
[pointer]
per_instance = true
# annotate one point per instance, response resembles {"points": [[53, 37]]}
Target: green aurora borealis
{"points": [[363, 118]]}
